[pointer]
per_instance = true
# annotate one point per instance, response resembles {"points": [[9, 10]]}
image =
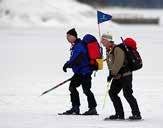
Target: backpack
{"points": [[132, 55], [94, 52]]}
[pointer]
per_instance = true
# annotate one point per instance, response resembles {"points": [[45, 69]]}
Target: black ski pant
{"points": [[85, 81], [125, 84]]}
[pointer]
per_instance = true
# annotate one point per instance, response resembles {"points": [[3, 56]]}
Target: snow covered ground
{"points": [[31, 61]]}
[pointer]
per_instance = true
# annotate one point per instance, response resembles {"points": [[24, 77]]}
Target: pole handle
{"points": [[124, 44]]}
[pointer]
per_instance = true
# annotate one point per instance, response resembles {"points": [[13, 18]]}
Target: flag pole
{"points": [[99, 31], [102, 17]]}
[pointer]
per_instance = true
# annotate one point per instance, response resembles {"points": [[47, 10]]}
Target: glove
{"points": [[66, 65], [109, 78]]}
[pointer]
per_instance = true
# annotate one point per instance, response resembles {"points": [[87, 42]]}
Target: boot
{"points": [[73, 111], [115, 117], [135, 117], [91, 111]]}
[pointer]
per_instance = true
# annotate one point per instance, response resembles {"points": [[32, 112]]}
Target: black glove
{"points": [[109, 78], [66, 65]]}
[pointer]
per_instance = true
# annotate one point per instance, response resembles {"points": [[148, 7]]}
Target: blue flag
{"points": [[102, 17]]}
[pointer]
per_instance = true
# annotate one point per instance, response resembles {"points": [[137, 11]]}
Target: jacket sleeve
{"points": [[119, 57], [76, 56]]}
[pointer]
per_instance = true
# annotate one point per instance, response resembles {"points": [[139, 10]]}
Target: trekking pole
{"points": [[56, 86], [107, 89]]}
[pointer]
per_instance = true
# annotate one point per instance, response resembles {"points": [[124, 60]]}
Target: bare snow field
{"points": [[32, 60]]}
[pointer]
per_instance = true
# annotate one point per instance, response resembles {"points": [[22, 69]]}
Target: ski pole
{"points": [[56, 86], [124, 44], [107, 89]]}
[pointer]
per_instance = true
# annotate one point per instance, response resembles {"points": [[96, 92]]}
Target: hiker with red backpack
{"points": [[120, 74], [80, 63]]}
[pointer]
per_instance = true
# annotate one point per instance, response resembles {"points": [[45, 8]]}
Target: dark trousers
{"points": [[124, 83], [85, 81]]}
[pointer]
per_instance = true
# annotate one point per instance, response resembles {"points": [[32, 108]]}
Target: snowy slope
{"points": [[29, 13], [63, 13]]}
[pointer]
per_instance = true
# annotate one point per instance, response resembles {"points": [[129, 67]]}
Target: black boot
{"points": [[73, 111], [135, 117], [91, 111], [115, 117]]}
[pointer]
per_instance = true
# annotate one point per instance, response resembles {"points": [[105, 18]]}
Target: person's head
{"points": [[107, 41], [72, 35]]}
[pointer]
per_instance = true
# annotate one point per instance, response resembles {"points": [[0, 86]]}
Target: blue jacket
{"points": [[79, 61]]}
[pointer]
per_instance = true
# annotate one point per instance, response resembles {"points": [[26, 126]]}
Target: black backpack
{"points": [[133, 57]]}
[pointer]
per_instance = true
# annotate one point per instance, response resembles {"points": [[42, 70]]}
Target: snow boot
{"points": [[91, 111], [115, 117], [73, 111], [135, 117]]}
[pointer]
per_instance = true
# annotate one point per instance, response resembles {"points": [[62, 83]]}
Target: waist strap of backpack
{"points": [[123, 75], [126, 74]]}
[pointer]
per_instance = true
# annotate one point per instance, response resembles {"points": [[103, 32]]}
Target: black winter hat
{"points": [[72, 32]]}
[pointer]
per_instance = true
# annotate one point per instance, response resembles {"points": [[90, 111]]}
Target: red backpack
{"points": [[94, 51]]}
